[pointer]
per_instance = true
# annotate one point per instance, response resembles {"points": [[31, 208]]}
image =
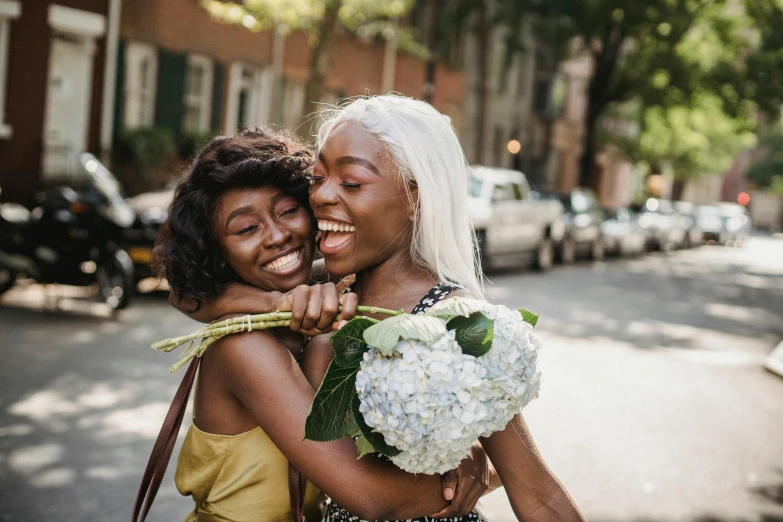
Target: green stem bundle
{"points": [[211, 333]]}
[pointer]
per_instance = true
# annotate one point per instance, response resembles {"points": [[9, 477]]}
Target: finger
{"points": [[314, 305], [329, 307], [349, 302], [338, 325], [299, 299], [448, 482]]}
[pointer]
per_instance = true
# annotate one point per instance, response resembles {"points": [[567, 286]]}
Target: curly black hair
{"points": [[187, 252]]}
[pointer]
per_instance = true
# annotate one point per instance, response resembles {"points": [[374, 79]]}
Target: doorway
{"points": [[67, 103]]}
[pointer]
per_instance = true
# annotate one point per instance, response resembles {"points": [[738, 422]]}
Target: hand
{"points": [[465, 485], [314, 309]]}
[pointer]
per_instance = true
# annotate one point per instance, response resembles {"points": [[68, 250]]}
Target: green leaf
{"points": [[328, 417], [348, 343], [474, 334], [364, 447], [388, 332], [375, 439], [529, 317], [457, 306]]}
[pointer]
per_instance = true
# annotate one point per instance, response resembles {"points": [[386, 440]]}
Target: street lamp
{"points": [[514, 146]]}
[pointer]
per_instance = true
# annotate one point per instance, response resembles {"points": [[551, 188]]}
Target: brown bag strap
{"points": [[164, 446]]}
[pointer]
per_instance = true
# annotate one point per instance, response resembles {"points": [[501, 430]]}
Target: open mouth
{"points": [[334, 235], [285, 263]]}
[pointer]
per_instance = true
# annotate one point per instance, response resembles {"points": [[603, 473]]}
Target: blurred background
{"points": [[628, 185]]}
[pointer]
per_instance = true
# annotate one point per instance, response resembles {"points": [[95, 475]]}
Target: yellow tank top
{"points": [[237, 478]]}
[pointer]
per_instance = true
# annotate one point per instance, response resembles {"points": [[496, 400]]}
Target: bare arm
{"points": [[270, 385], [532, 488]]}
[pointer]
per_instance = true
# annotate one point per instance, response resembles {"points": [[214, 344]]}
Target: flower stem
{"points": [[211, 333]]}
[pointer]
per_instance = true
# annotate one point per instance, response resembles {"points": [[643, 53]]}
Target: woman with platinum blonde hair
{"points": [[424, 146], [388, 192]]}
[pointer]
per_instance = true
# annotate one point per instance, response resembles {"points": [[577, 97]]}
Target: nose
{"points": [[323, 194], [276, 236]]}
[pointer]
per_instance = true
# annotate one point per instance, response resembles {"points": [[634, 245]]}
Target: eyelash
{"points": [[247, 230], [290, 211], [346, 184]]}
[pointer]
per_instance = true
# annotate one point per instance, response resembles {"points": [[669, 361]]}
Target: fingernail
{"points": [[449, 493], [341, 324]]}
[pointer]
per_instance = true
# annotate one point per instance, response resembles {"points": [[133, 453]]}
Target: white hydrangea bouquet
{"points": [[421, 388]]}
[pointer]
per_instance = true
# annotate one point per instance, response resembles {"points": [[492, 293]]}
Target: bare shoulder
{"points": [[237, 352]]}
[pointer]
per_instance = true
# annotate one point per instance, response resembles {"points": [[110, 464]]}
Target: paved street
{"points": [[655, 405]]}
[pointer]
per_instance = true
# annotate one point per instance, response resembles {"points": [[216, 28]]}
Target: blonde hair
{"points": [[423, 145]]}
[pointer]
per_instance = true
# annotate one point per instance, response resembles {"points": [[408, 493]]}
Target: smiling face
{"points": [[266, 237], [361, 205]]}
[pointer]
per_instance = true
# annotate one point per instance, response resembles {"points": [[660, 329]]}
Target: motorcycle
{"points": [[72, 236]]}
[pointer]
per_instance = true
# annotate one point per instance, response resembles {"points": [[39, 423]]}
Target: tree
{"points": [[766, 172], [692, 140], [320, 18], [482, 18], [636, 50]]}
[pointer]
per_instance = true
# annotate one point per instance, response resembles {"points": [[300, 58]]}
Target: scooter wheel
{"points": [[115, 280]]}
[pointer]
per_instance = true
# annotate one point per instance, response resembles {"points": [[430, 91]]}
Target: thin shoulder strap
{"points": [[164, 446]]}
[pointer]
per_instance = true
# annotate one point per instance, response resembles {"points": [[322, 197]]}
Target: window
{"points": [[141, 75], [505, 192], [249, 99], [9, 10], [293, 103], [197, 101]]}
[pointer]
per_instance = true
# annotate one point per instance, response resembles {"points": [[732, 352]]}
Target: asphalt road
{"points": [[654, 406]]}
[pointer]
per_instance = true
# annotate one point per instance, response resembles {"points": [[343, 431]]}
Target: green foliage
{"points": [[348, 341], [694, 139], [289, 15], [329, 418], [767, 169], [474, 334], [145, 148], [529, 317], [190, 143]]}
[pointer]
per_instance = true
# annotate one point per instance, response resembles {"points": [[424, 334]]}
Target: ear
{"points": [[414, 189]]}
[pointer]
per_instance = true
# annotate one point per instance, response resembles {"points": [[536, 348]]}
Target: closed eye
{"points": [[292, 210], [316, 179], [247, 230], [346, 184]]}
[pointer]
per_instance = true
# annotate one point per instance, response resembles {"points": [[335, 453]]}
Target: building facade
{"points": [[55, 87], [182, 70]]}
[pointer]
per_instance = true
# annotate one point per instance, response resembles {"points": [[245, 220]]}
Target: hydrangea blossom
{"points": [[431, 401]]}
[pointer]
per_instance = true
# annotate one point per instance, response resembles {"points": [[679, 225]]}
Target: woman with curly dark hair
{"points": [[242, 215]]}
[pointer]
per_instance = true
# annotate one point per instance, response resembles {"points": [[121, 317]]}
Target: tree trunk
{"points": [[428, 93], [678, 189], [320, 62], [587, 168], [484, 50]]}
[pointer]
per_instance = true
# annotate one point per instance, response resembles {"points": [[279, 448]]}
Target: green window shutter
{"points": [[119, 89], [171, 89], [218, 92]]}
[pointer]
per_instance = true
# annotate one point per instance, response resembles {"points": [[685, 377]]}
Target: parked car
{"points": [[583, 217], [686, 217], [736, 219], [711, 224], [151, 211], [622, 233], [509, 222], [665, 232], [72, 236]]}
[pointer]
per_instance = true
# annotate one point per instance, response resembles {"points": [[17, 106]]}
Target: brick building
{"points": [[55, 91], [182, 70]]}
